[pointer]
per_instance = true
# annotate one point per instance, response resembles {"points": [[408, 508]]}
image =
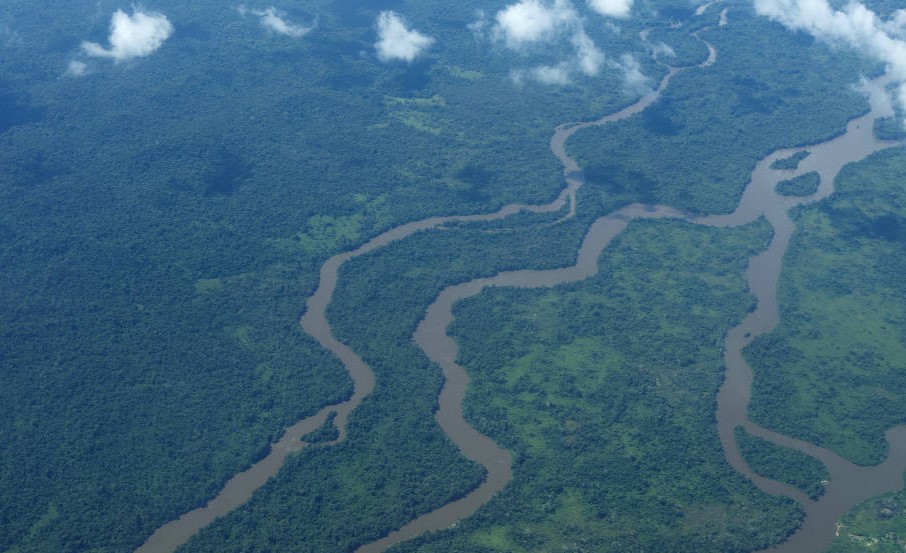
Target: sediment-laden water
{"points": [[848, 484]]}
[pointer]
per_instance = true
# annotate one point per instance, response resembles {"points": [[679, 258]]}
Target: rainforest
{"points": [[481, 276]]}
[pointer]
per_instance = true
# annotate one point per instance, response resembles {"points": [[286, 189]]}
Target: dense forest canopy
{"points": [[174, 176]]}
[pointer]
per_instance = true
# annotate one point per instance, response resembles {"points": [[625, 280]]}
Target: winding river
{"points": [[848, 484]]}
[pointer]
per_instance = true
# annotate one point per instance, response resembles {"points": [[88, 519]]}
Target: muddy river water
{"points": [[848, 484]]}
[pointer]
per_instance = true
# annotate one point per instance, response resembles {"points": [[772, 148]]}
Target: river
{"points": [[848, 484]]}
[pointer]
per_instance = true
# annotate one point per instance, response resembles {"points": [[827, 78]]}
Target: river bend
{"points": [[848, 484]]}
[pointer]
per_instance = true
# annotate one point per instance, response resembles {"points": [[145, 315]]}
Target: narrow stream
{"points": [[848, 484]]}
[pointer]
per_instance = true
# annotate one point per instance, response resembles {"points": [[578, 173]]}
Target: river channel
{"points": [[848, 484]]}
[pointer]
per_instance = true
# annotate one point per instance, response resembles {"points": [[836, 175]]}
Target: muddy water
{"points": [[431, 334], [848, 485], [472, 444], [236, 492]]}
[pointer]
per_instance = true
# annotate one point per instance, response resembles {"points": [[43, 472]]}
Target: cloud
{"points": [[663, 49], [551, 74], [854, 26], [611, 8], [76, 68], [132, 36], [477, 26], [558, 75], [531, 21], [588, 56], [396, 42], [635, 83], [273, 20], [897, 24]]}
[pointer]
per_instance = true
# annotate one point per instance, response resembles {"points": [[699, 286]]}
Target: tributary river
{"points": [[848, 484]]}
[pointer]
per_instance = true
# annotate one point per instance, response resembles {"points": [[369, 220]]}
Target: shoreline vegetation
{"points": [[154, 262], [439, 519]]}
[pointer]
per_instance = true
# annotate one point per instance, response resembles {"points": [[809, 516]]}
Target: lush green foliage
{"points": [[831, 372], [154, 263], [890, 128], [604, 391], [164, 219], [791, 162], [803, 185], [163, 223], [878, 525], [395, 452], [782, 464], [697, 146]]}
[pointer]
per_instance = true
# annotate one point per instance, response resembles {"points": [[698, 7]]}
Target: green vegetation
{"points": [[782, 464], [695, 148], [877, 525], [604, 391], [831, 373], [792, 162], [892, 128], [165, 219], [149, 337], [397, 463], [803, 185], [327, 432]]}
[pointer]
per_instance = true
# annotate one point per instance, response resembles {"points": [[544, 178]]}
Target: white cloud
{"points": [[611, 8], [132, 36], [396, 42], [897, 24], [76, 68], [272, 19], [635, 83], [588, 57], [529, 24], [477, 26], [558, 75], [551, 74], [532, 21], [855, 26]]}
